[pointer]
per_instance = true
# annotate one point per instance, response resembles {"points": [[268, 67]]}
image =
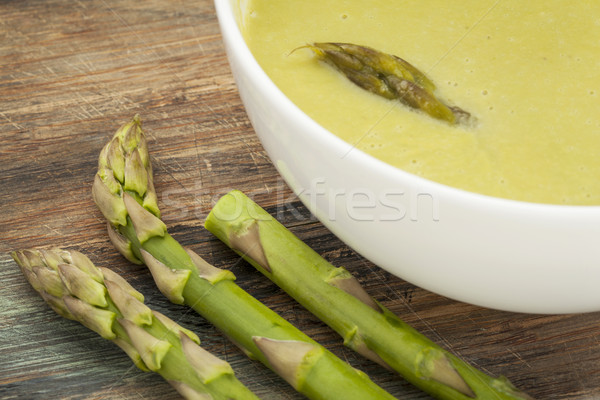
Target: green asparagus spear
{"points": [[104, 302], [388, 76], [338, 299], [124, 193]]}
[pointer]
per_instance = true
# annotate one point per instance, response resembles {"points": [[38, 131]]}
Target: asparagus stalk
{"points": [[388, 76], [125, 194], [104, 302], [338, 299]]}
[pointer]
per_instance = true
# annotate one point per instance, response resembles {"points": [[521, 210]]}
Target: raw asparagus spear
{"points": [[388, 76], [124, 192], [338, 299], [104, 302]]}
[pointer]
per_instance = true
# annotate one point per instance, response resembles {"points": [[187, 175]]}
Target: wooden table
{"points": [[71, 72]]}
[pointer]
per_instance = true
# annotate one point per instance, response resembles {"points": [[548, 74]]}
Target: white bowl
{"points": [[491, 252]]}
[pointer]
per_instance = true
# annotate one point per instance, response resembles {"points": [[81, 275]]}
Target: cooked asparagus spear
{"points": [[104, 302], [388, 76], [338, 299], [124, 192]]}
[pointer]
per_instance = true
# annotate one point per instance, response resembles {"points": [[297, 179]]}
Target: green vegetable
{"points": [[338, 299], [124, 192], [104, 302], [388, 76]]}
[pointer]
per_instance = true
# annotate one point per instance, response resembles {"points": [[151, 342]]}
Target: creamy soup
{"points": [[529, 71]]}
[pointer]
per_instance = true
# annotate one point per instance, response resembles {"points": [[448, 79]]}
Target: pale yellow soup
{"points": [[529, 71]]}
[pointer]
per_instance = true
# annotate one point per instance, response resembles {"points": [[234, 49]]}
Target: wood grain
{"points": [[71, 72]]}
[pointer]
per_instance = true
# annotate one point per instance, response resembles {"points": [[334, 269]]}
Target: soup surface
{"points": [[528, 71]]}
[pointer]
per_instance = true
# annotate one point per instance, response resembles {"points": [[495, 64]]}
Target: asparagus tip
{"points": [[388, 76]]}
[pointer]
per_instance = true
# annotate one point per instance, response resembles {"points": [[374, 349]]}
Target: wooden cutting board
{"points": [[71, 72]]}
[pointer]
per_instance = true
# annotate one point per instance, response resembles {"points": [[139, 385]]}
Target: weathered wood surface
{"points": [[70, 73]]}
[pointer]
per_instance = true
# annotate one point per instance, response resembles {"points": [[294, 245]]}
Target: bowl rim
{"points": [[231, 32]]}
